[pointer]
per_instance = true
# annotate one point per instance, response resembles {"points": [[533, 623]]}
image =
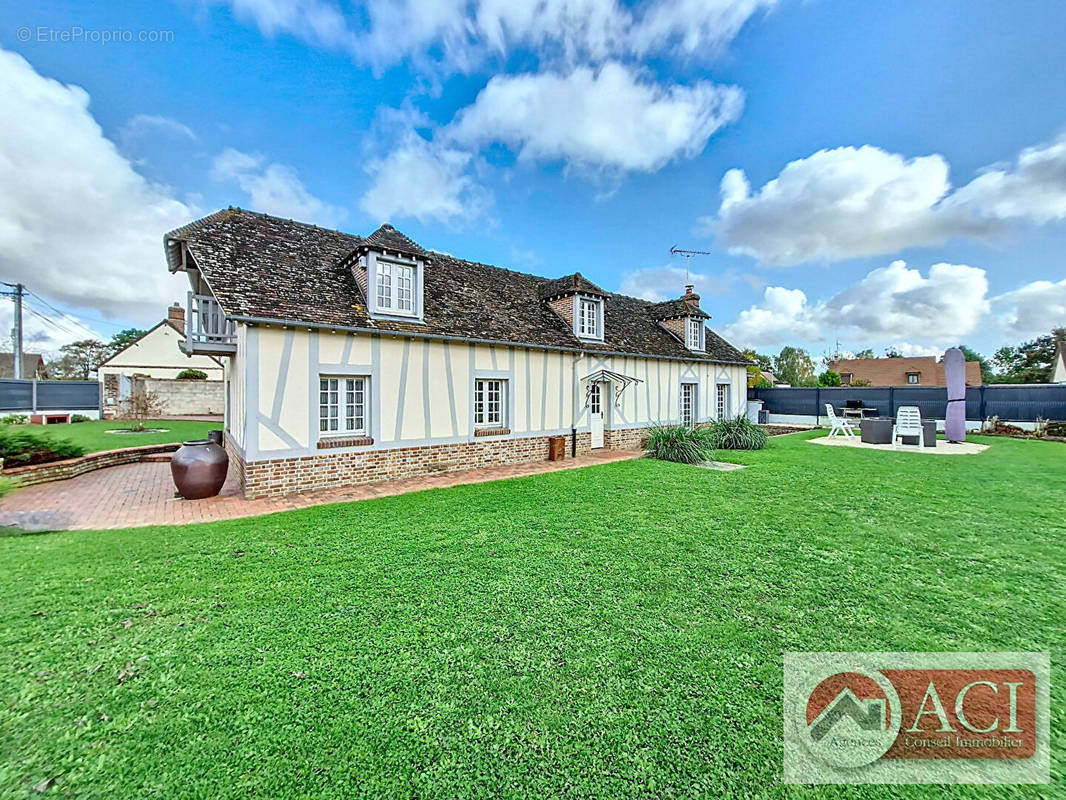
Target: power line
{"points": [[71, 316]]}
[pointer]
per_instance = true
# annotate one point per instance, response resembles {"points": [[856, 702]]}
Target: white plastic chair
{"points": [[908, 423], [839, 424]]}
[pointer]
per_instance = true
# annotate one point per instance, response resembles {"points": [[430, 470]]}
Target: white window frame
{"points": [[694, 403], [490, 403], [394, 286], [695, 334], [581, 328], [914, 379], [721, 401], [343, 405]]}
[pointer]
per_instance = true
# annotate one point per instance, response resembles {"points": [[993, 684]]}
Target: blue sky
{"points": [[564, 135]]}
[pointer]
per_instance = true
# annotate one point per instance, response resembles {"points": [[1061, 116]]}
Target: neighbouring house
{"points": [[774, 381], [1058, 366], [911, 371], [33, 366], [153, 363], [351, 359]]}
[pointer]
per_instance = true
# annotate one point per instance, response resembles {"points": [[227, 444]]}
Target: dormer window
{"points": [[396, 287], [589, 320], [694, 334]]}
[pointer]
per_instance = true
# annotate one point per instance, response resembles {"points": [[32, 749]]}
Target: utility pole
{"points": [[17, 331]]}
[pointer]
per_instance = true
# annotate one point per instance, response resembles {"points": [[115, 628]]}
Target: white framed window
{"points": [[688, 403], [490, 397], [589, 318], [596, 399], [722, 401], [396, 285], [913, 378], [694, 334], [342, 405]]}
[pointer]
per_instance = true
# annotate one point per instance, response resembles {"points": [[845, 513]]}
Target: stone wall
{"points": [[288, 475], [625, 439], [186, 397], [69, 468]]}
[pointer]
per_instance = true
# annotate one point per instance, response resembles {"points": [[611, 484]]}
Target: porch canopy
{"points": [[621, 383]]}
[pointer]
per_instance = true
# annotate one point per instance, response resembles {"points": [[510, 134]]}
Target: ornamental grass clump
{"points": [[737, 434], [680, 443]]}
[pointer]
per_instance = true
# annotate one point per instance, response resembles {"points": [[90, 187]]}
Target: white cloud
{"points": [[1034, 309], [44, 336], [141, 125], [274, 188], [609, 118], [424, 180], [462, 34], [850, 202], [77, 223], [893, 303], [666, 282]]}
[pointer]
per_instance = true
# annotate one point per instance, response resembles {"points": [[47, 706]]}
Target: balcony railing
{"points": [[207, 331]]}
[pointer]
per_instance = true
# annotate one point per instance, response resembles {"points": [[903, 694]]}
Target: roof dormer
{"points": [[684, 319], [390, 271], [580, 303]]}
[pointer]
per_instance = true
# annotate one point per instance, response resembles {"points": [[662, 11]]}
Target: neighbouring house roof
{"points": [[263, 268], [32, 365], [894, 371]]}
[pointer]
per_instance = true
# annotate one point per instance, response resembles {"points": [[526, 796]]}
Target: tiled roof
{"points": [[570, 283], [388, 238], [670, 309], [266, 268]]}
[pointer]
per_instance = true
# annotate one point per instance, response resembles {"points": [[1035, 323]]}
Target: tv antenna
{"points": [[688, 254]]}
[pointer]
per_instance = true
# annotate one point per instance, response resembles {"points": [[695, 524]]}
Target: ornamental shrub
{"points": [[737, 434], [680, 443]]}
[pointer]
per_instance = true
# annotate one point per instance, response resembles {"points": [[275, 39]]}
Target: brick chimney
{"points": [[690, 298], [176, 314]]}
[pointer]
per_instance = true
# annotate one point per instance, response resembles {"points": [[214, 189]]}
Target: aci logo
{"points": [[852, 718], [917, 717]]}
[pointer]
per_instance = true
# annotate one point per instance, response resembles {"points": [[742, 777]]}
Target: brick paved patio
{"points": [[143, 494]]}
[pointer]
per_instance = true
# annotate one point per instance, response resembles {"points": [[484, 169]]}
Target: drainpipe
{"points": [[575, 394]]}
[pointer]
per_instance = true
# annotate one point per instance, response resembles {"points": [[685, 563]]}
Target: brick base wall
{"points": [[71, 467], [626, 439], [287, 475]]}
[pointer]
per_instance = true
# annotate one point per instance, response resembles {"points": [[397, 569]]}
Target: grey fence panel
{"points": [[15, 395], [27, 396], [1020, 403]]}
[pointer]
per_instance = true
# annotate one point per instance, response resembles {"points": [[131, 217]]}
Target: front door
{"points": [[596, 415]]}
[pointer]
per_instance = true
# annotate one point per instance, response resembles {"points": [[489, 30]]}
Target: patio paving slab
{"points": [[942, 448], [143, 494]]}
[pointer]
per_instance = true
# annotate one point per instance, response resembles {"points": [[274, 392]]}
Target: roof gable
{"points": [[570, 284]]}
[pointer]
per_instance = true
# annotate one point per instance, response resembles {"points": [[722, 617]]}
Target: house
{"points": [[154, 361], [33, 366], [911, 371], [351, 359], [773, 380]]}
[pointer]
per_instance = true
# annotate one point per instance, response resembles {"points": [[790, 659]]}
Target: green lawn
{"points": [[614, 631], [94, 437]]}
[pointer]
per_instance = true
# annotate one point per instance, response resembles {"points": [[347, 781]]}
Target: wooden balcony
{"points": [[207, 331]]}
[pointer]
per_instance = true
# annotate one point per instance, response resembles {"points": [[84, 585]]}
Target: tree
{"points": [[1029, 362], [892, 352], [867, 353], [829, 378], [762, 362], [793, 365], [78, 360], [973, 355], [140, 407], [124, 338]]}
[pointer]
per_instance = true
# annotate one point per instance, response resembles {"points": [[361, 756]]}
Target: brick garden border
{"points": [[71, 467]]}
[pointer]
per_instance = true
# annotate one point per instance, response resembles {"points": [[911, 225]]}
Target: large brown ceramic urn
{"points": [[199, 469]]}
